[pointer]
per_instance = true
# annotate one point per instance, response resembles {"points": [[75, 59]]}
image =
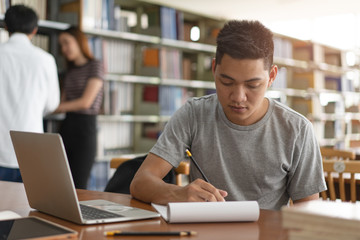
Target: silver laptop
{"points": [[49, 186]]}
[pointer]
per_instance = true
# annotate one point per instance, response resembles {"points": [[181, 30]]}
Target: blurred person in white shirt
{"points": [[29, 86]]}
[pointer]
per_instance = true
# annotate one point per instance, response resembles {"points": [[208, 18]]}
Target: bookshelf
{"points": [[153, 66], [150, 58], [145, 84], [326, 88]]}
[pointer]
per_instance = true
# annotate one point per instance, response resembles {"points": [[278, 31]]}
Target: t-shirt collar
{"points": [[249, 127]]}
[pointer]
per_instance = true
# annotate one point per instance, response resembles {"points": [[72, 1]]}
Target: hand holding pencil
{"points": [[202, 190]]}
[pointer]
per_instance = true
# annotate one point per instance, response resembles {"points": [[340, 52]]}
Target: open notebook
{"points": [[232, 211]]}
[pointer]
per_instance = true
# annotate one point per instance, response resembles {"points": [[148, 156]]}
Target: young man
{"points": [[249, 147], [29, 86]]}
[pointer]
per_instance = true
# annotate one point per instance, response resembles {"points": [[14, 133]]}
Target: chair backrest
{"points": [[182, 169], [340, 169], [330, 153], [125, 172]]}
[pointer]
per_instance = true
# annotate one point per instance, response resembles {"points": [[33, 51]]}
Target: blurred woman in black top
{"points": [[81, 101]]}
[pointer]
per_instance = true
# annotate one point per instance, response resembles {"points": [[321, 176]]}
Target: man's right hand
{"points": [[200, 191], [148, 185]]}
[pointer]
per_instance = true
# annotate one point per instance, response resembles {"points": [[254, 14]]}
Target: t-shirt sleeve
{"points": [[306, 176], [176, 136], [97, 70]]}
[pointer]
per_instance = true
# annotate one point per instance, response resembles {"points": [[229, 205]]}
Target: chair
{"points": [[336, 153], [336, 164], [182, 169]]}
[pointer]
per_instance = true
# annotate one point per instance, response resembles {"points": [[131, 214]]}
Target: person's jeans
{"points": [[10, 174]]}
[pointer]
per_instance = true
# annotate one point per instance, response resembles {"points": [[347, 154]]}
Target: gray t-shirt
{"points": [[276, 158]]}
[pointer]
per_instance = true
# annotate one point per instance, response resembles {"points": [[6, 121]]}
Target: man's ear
{"points": [[34, 31], [32, 34], [213, 66], [272, 74]]}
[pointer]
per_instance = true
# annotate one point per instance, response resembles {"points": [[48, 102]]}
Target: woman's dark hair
{"points": [[245, 40], [22, 19], [82, 40]]}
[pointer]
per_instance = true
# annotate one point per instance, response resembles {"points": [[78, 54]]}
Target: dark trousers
{"points": [[79, 135], [10, 174]]}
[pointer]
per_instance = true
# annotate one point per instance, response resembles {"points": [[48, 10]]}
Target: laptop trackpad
{"points": [[116, 208]]}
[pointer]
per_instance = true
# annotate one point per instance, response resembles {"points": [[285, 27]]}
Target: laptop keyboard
{"points": [[91, 213]]}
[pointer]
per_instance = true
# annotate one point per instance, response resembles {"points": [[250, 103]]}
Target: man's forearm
{"points": [[151, 189]]}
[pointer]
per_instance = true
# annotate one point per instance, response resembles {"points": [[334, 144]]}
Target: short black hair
{"points": [[245, 40], [22, 19]]}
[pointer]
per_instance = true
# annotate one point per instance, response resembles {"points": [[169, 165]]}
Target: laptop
{"points": [[49, 186]]}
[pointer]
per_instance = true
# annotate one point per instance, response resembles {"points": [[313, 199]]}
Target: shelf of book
{"points": [[133, 118], [129, 36], [160, 81], [288, 62], [154, 67], [133, 79], [44, 24]]}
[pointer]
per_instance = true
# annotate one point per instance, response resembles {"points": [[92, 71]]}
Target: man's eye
{"points": [[226, 83], [253, 85]]}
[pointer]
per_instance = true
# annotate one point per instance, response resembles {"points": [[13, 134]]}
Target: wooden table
{"points": [[12, 197]]}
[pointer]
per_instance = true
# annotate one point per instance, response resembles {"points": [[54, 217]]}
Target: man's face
{"points": [[241, 85]]}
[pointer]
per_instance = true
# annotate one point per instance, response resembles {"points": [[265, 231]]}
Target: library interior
{"points": [[158, 54]]}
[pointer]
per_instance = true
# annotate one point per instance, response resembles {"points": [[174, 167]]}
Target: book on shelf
{"points": [[187, 72], [150, 93], [4, 35], [281, 79], [104, 14], [302, 51], [329, 129], [303, 80], [302, 105], [113, 137], [334, 107], [171, 61], [347, 84], [151, 57], [333, 83], [333, 59], [169, 23], [306, 80], [187, 31], [4, 5], [118, 98], [91, 14], [152, 130], [355, 126], [41, 41], [117, 55], [99, 176], [322, 220], [39, 6], [179, 25], [150, 65], [171, 99], [354, 108], [282, 48]]}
